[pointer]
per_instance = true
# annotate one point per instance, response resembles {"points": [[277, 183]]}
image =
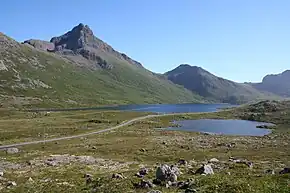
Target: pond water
{"points": [[223, 127]]}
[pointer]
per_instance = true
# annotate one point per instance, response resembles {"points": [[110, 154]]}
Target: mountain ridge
{"points": [[275, 83], [33, 77], [214, 88]]}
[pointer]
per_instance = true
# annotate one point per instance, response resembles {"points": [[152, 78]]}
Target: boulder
{"points": [[182, 162], [270, 172], [166, 173], [285, 171], [206, 169], [213, 160], [11, 183], [12, 150], [1, 173], [154, 191], [142, 172], [118, 176], [145, 184]]}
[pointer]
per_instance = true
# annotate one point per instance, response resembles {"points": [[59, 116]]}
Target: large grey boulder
{"points": [[167, 173]]}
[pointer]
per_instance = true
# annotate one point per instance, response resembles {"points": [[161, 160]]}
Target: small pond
{"points": [[223, 127]]}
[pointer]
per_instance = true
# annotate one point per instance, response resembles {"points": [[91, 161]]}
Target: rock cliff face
{"points": [[42, 45], [275, 83], [80, 41]]}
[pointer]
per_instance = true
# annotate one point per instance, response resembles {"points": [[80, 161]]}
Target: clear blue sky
{"points": [[241, 40]]}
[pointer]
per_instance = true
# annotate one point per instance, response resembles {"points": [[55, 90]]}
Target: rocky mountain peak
{"points": [[79, 37]]}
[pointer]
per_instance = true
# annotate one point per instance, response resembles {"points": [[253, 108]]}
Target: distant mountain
{"points": [[212, 87], [78, 69], [276, 83]]}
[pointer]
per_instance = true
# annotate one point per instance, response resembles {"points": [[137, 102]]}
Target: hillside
{"points": [[275, 83], [212, 87], [78, 69]]}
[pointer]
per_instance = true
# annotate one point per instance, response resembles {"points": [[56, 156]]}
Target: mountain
{"points": [[276, 83], [212, 87], [78, 69]]}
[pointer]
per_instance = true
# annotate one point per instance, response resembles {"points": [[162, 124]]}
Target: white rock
{"points": [[12, 150], [213, 160], [1, 174]]}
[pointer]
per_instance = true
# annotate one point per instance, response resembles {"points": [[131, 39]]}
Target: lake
{"points": [[154, 108], [224, 127], [173, 108]]}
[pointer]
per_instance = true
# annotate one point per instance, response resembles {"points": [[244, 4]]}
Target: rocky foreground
{"points": [[140, 158]]}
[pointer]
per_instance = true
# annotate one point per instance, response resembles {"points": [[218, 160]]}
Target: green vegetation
{"points": [[40, 79], [129, 148]]}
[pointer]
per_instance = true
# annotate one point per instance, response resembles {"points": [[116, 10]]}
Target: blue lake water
{"points": [[170, 108], [223, 127], [155, 108]]}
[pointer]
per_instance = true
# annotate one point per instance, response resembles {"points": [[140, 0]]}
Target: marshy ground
{"points": [[61, 166]]}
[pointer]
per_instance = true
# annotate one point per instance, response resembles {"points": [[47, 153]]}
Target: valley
{"points": [[62, 166]]}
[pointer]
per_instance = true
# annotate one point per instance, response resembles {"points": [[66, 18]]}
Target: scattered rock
{"points": [[89, 178], [182, 162], [142, 172], [157, 182], [190, 190], [144, 184], [50, 163], [30, 180], [164, 143], [165, 173], [118, 176], [143, 150], [285, 171], [11, 183], [65, 184], [206, 169], [173, 178], [270, 172], [241, 161], [154, 191], [186, 184], [12, 150], [1, 174], [213, 160]]}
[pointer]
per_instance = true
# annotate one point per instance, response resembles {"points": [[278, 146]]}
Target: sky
{"points": [[241, 40]]}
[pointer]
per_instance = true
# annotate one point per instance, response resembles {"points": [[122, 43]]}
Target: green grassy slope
{"points": [[51, 80]]}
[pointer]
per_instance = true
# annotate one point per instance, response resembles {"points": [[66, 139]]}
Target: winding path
{"points": [[86, 134]]}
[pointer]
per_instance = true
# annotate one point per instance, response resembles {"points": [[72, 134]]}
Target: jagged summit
{"points": [[79, 37], [80, 41]]}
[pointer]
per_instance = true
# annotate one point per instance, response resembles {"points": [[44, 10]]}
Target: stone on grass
{"points": [[270, 172], [89, 178], [190, 190], [154, 191], [118, 176], [166, 173], [146, 184], [213, 160], [12, 150], [11, 183], [182, 162], [206, 169], [285, 171]]}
